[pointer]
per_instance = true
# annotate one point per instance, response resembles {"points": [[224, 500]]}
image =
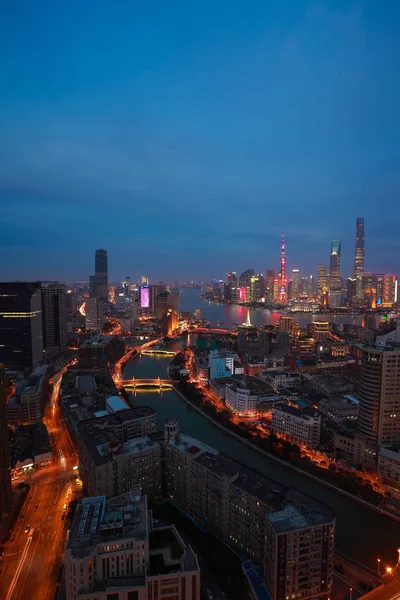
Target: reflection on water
{"points": [[231, 315]]}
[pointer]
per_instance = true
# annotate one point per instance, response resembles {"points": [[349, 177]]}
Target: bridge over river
{"points": [[157, 383]]}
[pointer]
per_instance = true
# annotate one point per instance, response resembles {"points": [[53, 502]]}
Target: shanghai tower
{"points": [[359, 254]]}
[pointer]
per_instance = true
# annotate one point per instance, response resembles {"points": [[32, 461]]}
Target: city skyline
{"points": [[199, 133]]}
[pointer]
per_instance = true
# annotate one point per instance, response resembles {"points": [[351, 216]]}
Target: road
{"points": [[32, 560], [389, 591]]}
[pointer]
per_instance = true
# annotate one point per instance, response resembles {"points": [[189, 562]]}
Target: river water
{"points": [[231, 315], [361, 533]]}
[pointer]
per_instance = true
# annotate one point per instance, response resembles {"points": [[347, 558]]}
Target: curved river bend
{"points": [[361, 533]]}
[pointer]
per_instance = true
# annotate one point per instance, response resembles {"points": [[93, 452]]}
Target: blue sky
{"points": [[185, 137]]}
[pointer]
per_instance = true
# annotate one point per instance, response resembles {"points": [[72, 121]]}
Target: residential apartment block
{"points": [[115, 551], [302, 425], [290, 534]]}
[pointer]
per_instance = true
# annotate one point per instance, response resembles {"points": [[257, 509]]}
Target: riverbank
{"points": [[316, 479]]}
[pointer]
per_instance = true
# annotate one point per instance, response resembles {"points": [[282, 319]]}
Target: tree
{"points": [[287, 450]]}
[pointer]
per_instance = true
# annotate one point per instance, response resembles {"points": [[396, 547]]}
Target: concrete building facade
{"points": [[116, 551], [302, 425]]}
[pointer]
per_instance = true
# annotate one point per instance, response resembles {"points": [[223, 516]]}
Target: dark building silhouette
{"points": [[5, 478], [21, 332], [54, 315], [101, 274]]}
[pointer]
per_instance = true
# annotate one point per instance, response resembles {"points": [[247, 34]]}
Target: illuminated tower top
{"points": [[283, 260], [283, 282]]}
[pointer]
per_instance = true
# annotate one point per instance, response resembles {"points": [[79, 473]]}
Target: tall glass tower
{"points": [[359, 254], [334, 276], [101, 274]]}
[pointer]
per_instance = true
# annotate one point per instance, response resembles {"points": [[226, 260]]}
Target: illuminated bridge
{"points": [[159, 383], [155, 351], [208, 330]]}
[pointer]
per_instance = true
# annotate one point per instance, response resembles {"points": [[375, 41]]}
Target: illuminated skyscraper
{"points": [[101, 274], [334, 278], [335, 283], [295, 283], [257, 287], [21, 334], [359, 254], [5, 478], [283, 280], [322, 281]]}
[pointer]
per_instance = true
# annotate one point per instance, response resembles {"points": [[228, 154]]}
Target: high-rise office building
{"points": [[257, 288], [155, 291], [359, 253], [334, 276], [101, 274], [335, 282], [21, 334], [322, 279], [92, 286], [351, 290], [54, 315], [379, 395], [244, 279], [5, 478], [231, 287], [269, 284], [94, 318], [295, 290]]}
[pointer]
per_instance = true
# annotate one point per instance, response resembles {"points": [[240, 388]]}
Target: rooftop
{"points": [[263, 488], [168, 552], [299, 511], [245, 382], [301, 412], [187, 444], [98, 520]]}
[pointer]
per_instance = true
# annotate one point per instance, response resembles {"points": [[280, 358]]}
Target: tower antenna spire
{"points": [[283, 282]]}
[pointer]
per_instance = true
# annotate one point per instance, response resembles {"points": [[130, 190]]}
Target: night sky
{"points": [[185, 137]]}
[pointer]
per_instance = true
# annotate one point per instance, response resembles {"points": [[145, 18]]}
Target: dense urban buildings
{"points": [[5, 478], [21, 325]]}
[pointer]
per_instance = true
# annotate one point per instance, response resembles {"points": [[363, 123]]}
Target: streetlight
{"points": [[389, 570], [379, 566], [351, 593]]}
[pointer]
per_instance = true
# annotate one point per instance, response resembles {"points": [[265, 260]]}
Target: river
{"points": [[232, 315], [361, 533]]}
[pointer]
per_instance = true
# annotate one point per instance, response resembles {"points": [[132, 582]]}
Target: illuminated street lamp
{"points": [[379, 566], [351, 593], [389, 570]]}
